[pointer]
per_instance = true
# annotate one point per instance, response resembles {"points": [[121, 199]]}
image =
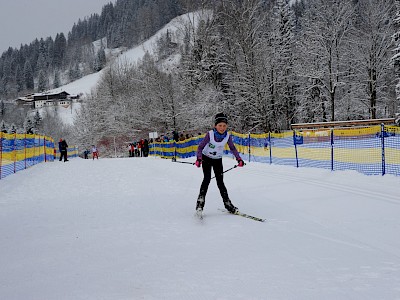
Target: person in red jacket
{"points": [[95, 152], [209, 155]]}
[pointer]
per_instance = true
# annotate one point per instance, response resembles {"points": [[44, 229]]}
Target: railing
{"points": [[371, 150], [21, 151]]}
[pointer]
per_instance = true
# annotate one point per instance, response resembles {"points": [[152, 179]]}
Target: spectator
{"points": [[63, 147], [145, 148], [95, 152]]}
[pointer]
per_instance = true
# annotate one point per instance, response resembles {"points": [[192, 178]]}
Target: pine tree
{"points": [[56, 81], [3, 126], [19, 79], [37, 121], [100, 60], [12, 129], [2, 108], [42, 62], [42, 82], [8, 76], [28, 76], [60, 45], [29, 126]]}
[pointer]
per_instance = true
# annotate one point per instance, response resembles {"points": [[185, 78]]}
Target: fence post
{"points": [[249, 146], [25, 149], [332, 156], [1, 151], [383, 148], [34, 150], [295, 148], [270, 147], [15, 152], [44, 148]]}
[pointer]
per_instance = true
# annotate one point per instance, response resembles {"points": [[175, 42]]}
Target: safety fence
{"points": [[71, 152], [21, 151], [371, 150]]}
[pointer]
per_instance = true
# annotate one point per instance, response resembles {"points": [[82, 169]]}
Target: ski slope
{"points": [[116, 229]]}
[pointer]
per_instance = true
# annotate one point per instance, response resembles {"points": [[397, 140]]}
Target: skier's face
{"points": [[221, 127]]}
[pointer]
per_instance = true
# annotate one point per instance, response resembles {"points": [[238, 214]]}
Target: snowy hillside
{"points": [[87, 84], [116, 229]]}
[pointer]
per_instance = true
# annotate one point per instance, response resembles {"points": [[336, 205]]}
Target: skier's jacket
{"points": [[213, 145]]}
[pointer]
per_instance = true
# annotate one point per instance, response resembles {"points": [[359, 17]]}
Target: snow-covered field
{"points": [[116, 229]]}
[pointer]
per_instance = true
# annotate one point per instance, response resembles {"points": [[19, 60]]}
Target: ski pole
{"points": [[183, 162], [235, 166]]}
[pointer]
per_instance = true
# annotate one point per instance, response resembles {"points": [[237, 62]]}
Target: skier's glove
{"points": [[198, 163], [240, 162]]}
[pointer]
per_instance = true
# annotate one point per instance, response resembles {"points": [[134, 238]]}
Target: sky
{"points": [[125, 228], [22, 21]]}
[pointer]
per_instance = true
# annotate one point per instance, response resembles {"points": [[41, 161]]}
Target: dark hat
{"points": [[221, 117]]}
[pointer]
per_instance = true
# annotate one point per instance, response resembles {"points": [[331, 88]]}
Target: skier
{"points": [[95, 152], [62, 147], [209, 155]]}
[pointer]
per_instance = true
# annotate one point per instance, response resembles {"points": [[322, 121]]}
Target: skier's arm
{"points": [[233, 149], [202, 144]]}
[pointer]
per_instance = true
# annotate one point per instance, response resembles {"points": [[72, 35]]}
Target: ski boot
{"points": [[199, 206], [230, 207]]}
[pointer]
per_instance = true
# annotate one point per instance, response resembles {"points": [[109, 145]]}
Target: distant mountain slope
{"points": [[86, 84]]}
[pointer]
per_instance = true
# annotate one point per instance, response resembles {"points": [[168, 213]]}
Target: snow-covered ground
{"points": [[116, 229]]}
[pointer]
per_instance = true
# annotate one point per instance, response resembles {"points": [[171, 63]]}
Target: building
{"points": [[39, 100]]}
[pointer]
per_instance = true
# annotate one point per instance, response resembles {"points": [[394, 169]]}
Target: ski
{"points": [[238, 213]]}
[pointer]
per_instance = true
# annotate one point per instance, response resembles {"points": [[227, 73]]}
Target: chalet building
{"points": [[39, 100]]}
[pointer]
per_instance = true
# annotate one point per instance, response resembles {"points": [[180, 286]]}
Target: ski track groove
{"points": [[333, 186]]}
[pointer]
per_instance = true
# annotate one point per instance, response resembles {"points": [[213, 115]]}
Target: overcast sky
{"points": [[21, 21]]}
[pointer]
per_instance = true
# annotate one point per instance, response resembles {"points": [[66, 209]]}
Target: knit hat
{"points": [[221, 117]]}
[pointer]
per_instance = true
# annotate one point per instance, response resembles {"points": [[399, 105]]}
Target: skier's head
{"points": [[221, 122], [60, 140], [221, 118]]}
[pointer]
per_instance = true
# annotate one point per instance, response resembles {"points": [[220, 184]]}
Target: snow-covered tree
{"points": [[42, 81], [280, 61], [29, 125], [19, 79], [28, 76], [100, 59], [396, 56], [370, 63], [325, 34], [56, 81], [2, 108], [12, 128], [3, 126]]}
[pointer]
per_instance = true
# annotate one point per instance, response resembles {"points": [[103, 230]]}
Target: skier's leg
{"points": [[206, 165], [219, 176]]}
